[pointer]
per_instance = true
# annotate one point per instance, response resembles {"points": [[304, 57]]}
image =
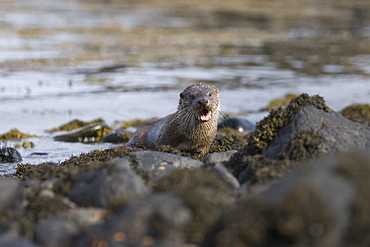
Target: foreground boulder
{"points": [[158, 220], [324, 203]]}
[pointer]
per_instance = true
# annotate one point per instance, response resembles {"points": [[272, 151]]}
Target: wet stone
{"points": [[157, 220], [9, 155], [239, 123], [148, 160], [106, 188], [88, 134], [118, 136], [219, 157]]}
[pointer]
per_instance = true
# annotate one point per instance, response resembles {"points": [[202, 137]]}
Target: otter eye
{"points": [[210, 94], [192, 96]]}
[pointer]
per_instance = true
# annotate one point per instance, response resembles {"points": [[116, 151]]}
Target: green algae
{"points": [[228, 140], [302, 145], [25, 145], [15, 135], [358, 113], [74, 124]]}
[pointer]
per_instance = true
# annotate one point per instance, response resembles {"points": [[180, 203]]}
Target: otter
{"points": [[192, 128]]}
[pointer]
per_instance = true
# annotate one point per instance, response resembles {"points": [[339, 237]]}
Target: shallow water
{"points": [[86, 60]]}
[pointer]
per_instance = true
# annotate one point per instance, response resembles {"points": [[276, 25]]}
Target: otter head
{"points": [[202, 100]]}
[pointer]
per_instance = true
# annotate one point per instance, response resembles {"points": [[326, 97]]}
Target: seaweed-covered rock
{"points": [[14, 135], [321, 204], [228, 141], [157, 220], [88, 134], [202, 191], [306, 128], [9, 155], [107, 188], [358, 113]]}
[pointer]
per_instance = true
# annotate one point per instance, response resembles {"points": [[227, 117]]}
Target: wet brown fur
{"points": [[183, 130]]}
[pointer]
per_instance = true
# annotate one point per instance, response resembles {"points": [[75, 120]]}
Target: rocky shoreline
{"points": [[300, 178]]}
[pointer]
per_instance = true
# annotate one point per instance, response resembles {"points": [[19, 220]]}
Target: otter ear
{"points": [[181, 95]]}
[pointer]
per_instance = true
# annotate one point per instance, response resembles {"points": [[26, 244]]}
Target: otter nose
{"points": [[203, 101]]}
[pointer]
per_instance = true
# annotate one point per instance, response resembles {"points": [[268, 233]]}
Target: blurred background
{"points": [[123, 60]]}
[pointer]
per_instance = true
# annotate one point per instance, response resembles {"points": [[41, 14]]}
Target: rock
{"points": [[90, 133], [240, 123], [11, 240], [148, 160], [320, 204], [55, 232], [202, 192], [118, 136], [219, 157], [161, 170], [9, 155], [107, 188], [8, 192], [220, 170], [84, 218], [157, 220]]}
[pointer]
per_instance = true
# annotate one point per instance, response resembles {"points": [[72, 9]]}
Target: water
{"points": [[86, 60]]}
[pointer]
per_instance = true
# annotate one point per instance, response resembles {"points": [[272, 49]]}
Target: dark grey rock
{"points": [[240, 123], [220, 170], [9, 155], [85, 134], [55, 233], [157, 220], [8, 192], [219, 157], [105, 188], [117, 136], [334, 132], [148, 160]]}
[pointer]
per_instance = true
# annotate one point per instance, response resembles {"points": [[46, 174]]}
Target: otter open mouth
{"points": [[205, 115]]}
